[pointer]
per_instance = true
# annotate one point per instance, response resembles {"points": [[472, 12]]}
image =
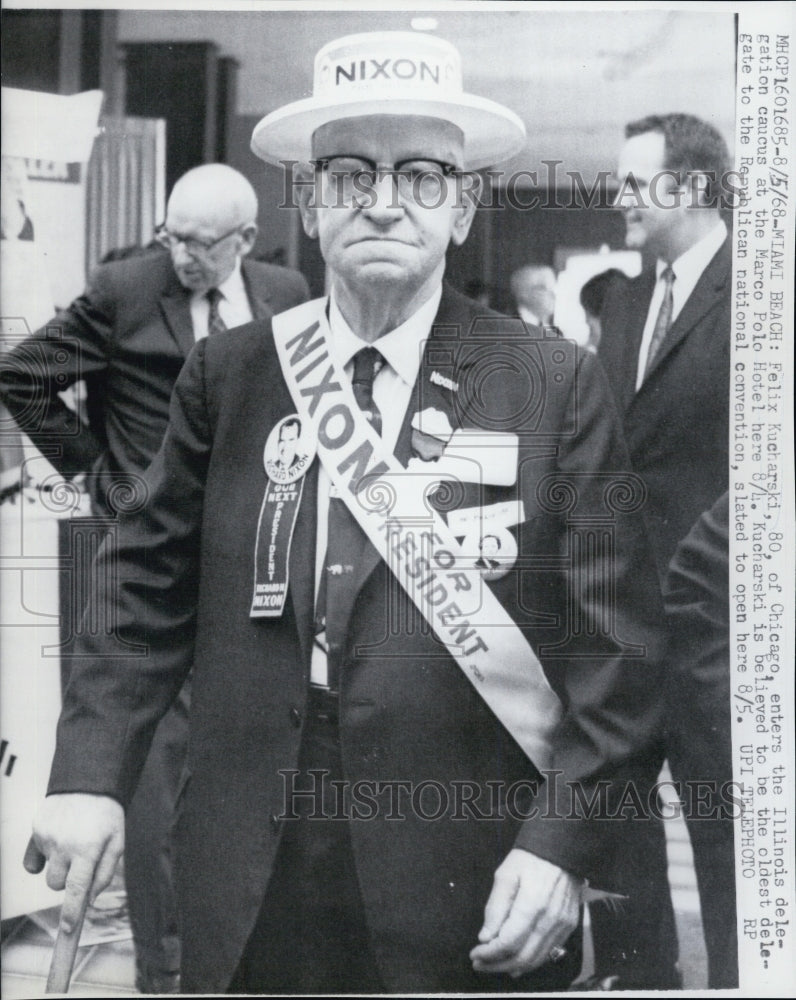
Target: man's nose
{"points": [[179, 255], [626, 195], [382, 203]]}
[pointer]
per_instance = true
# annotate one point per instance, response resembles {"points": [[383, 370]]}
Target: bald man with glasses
{"points": [[129, 333], [127, 337]]}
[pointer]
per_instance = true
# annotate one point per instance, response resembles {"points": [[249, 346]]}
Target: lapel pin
{"points": [[444, 381], [494, 552]]}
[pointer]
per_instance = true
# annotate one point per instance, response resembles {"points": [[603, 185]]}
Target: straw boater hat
{"points": [[390, 73]]}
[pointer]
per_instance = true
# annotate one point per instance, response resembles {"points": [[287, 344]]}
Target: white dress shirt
{"points": [[233, 306], [402, 350], [688, 269]]}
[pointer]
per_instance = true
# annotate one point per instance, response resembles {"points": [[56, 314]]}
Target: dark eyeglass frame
{"points": [[192, 245], [371, 171]]}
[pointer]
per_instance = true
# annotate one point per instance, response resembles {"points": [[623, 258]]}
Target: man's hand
{"points": [[81, 838], [534, 906]]}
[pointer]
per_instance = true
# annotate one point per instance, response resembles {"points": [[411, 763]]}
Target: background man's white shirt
{"points": [[233, 306]]}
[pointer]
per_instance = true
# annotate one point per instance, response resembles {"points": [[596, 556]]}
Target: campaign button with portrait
{"points": [[289, 450]]}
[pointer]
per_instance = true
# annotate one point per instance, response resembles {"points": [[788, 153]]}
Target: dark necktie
{"points": [[346, 540], [215, 324], [664, 320]]}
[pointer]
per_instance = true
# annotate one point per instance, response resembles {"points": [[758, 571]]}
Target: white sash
{"points": [[392, 507]]}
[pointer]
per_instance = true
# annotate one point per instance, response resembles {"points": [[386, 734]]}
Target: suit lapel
{"points": [[259, 295], [708, 291], [302, 557], [175, 304]]}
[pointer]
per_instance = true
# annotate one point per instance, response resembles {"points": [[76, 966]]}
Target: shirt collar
{"points": [[696, 258], [401, 348]]}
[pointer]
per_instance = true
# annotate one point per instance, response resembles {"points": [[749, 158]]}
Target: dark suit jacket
{"points": [[699, 725], [127, 336], [184, 567], [697, 598], [677, 424]]}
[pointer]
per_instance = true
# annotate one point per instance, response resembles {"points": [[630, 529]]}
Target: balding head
{"points": [[210, 223], [215, 194]]}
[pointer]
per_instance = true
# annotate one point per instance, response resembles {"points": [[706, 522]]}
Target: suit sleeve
{"points": [[607, 669], [300, 290], [124, 677], [73, 345], [287, 287], [697, 595]]}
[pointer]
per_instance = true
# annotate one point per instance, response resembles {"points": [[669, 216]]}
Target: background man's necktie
{"points": [[346, 540], [664, 320], [215, 324]]}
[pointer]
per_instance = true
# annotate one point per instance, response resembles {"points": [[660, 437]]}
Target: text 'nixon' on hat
{"points": [[390, 73]]}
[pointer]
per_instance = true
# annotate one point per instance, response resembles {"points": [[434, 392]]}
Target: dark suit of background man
{"points": [[697, 599], [400, 901], [666, 349], [127, 336]]}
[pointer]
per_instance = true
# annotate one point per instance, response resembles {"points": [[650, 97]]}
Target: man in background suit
{"points": [[666, 349], [300, 893], [128, 334], [127, 337]]}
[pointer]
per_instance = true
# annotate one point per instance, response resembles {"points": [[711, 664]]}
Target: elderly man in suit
{"points": [[127, 336], [401, 766], [666, 349]]}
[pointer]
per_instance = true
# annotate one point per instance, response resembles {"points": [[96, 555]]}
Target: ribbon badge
{"points": [[289, 452]]}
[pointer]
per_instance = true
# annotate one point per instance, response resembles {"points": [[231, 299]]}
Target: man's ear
{"points": [[468, 194], [248, 237], [304, 187], [697, 189]]}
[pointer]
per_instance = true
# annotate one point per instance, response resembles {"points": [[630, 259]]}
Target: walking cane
{"points": [[65, 950]]}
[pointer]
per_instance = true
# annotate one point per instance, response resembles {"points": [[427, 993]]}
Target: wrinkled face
{"points": [[380, 230], [198, 267], [288, 436], [650, 205]]}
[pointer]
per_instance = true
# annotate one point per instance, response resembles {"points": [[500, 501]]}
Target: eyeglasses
{"points": [[422, 181], [192, 246]]}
